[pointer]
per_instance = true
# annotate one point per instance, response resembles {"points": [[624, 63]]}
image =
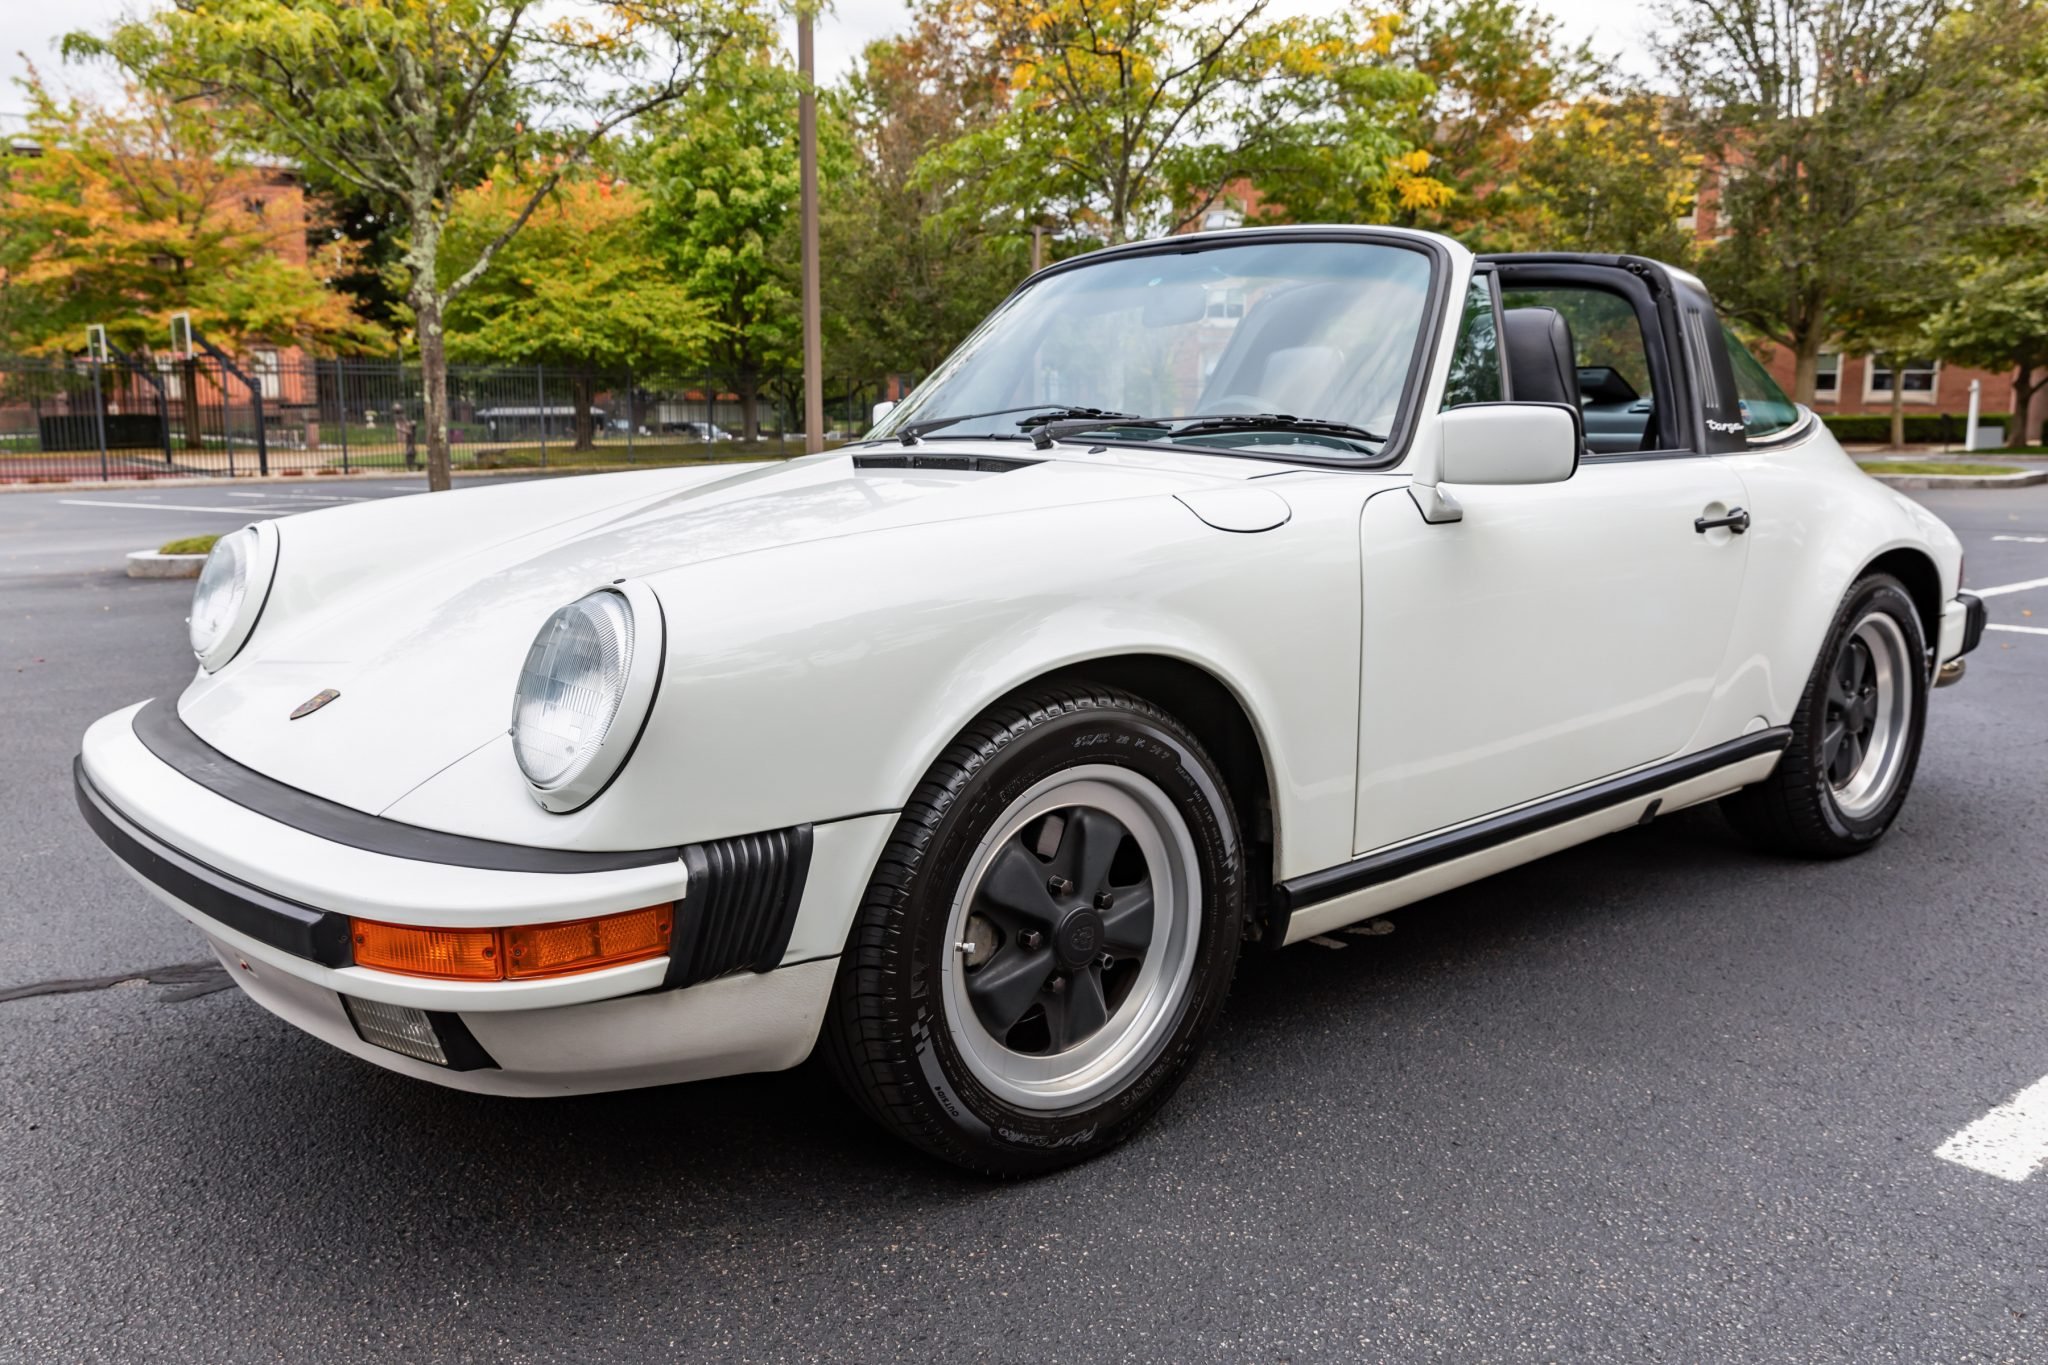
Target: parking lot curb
{"points": [[2023, 479]]}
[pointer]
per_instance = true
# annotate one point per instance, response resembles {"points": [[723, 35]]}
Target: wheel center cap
{"points": [[1079, 938]]}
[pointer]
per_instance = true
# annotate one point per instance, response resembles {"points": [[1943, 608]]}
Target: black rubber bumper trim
{"points": [[1377, 868], [317, 935], [161, 731], [1974, 617]]}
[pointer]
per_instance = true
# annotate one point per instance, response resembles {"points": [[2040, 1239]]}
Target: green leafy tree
{"points": [[720, 169], [129, 212], [410, 102], [904, 280], [1124, 118], [1847, 142], [581, 289], [1501, 72], [1612, 172]]}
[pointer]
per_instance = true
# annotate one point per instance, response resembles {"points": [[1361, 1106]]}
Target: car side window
{"points": [[1766, 411], [1475, 362], [1613, 362]]}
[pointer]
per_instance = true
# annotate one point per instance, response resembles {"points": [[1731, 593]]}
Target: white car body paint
{"points": [[830, 628]]}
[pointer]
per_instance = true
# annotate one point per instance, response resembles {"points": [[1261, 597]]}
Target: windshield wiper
{"points": [[1199, 425], [1277, 421], [1048, 412]]}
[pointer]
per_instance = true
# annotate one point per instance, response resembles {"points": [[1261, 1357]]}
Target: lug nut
{"points": [[1107, 961], [1060, 886], [1103, 900], [1058, 984], [1031, 938]]}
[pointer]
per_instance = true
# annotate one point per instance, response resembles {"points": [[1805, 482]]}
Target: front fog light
{"points": [[400, 1028], [584, 693]]}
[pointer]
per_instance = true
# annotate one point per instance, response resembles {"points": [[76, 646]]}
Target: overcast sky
{"points": [[32, 27]]}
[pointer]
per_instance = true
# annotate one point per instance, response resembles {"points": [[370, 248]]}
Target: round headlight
{"points": [[584, 692], [230, 593]]}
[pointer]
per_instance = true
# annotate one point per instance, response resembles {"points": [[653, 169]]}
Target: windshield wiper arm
{"points": [[1276, 421], [1218, 422], [1053, 412]]}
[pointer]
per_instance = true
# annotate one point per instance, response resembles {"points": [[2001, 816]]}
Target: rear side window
{"points": [[1475, 364], [1766, 411]]}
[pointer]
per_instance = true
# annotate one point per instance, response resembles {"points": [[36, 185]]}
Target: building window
{"points": [[264, 366], [1916, 379], [1222, 216], [1827, 374]]}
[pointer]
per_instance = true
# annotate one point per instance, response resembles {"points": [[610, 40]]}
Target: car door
{"points": [[1557, 634]]}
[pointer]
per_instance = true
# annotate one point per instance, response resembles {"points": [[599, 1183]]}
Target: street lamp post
{"points": [[807, 154]]}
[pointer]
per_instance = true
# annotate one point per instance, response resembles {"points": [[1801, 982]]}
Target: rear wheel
{"points": [[1048, 937], [1855, 737]]}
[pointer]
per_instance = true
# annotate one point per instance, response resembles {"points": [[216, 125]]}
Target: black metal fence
{"points": [[151, 417]]}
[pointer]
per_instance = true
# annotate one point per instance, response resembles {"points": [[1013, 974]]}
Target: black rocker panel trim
{"points": [[742, 903], [1374, 869], [161, 731], [317, 935]]}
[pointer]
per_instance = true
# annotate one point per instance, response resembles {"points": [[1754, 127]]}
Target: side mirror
{"points": [[882, 409], [1497, 443]]}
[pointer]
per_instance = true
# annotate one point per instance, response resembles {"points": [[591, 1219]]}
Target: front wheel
{"points": [[1048, 937], [1855, 737]]}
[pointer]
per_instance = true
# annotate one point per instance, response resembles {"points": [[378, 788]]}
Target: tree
{"points": [[1612, 172], [1500, 72], [128, 213], [1845, 141], [721, 172], [1999, 319], [412, 101], [1124, 118], [581, 288], [904, 280]]}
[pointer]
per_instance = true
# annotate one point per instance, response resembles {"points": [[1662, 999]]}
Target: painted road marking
{"points": [[2020, 630], [2005, 588], [2025, 540], [169, 507], [2010, 1142]]}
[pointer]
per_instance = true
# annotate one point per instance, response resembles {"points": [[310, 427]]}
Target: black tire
{"points": [[886, 1036], [1798, 809]]}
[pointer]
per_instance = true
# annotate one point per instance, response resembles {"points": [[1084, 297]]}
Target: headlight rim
{"points": [[262, 570], [584, 784]]}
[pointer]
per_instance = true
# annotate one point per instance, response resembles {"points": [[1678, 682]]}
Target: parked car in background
{"points": [[1216, 594], [694, 430]]}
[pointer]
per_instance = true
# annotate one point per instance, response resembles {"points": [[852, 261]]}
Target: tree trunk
{"points": [[580, 387], [1897, 368], [750, 408], [434, 383], [1806, 361], [2022, 406]]}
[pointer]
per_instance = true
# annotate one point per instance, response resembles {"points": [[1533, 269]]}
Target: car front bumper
{"points": [[745, 988]]}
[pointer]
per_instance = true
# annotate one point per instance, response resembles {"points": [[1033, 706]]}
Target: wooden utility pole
{"points": [[807, 158]]}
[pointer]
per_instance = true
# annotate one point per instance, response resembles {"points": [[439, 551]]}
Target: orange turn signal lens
{"points": [[457, 954], [527, 950], [584, 945]]}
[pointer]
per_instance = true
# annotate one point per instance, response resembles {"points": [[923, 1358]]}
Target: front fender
{"points": [[821, 680]]}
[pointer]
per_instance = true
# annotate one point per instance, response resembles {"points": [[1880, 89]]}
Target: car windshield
{"points": [[1319, 330]]}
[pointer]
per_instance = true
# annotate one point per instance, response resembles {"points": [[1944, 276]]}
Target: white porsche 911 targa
{"points": [[1218, 592]]}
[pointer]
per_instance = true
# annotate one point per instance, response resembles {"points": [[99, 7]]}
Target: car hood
{"points": [[419, 611]]}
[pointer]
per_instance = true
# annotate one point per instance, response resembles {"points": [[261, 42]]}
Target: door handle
{"points": [[1737, 521]]}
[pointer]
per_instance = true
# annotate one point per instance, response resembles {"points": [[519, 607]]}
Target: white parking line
{"points": [[2005, 588], [2019, 630], [169, 507], [2025, 540], [2010, 1142]]}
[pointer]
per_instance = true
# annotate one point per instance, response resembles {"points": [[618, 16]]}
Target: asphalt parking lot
{"points": [[1658, 1098]]}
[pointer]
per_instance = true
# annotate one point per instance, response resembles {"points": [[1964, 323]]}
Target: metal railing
{"points": [[155, 417]]}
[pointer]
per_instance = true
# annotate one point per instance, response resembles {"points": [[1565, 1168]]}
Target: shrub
{"points": [[188, 545], [1922, 428]]}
